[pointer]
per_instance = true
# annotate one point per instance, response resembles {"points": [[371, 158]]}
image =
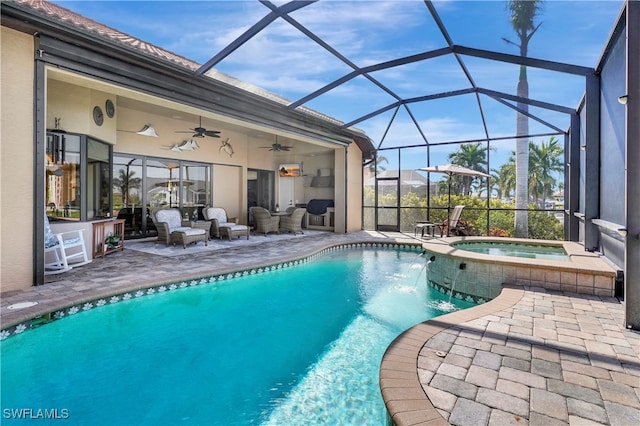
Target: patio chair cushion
{"points": [[171, 218], [216, 213], [234, 227], [189, 231], [50, 239]]}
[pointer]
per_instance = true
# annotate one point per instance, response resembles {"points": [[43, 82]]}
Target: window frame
{"points": [[84, 180]]}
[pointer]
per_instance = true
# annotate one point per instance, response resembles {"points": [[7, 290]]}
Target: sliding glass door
{"points": [[142, 184]]}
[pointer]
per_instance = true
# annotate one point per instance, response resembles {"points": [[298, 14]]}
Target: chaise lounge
{"points": [[451, 223]]}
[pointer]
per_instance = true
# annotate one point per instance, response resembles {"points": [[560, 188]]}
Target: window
{"points": [[142, 184], [78, 177], [98, 180]]}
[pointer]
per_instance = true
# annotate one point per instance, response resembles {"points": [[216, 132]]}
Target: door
{"points": [[260, 190], [388, 204], [286, 192]]}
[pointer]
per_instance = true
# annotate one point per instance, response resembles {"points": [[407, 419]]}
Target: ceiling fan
{"points": [[201, 132], [277, 147]]}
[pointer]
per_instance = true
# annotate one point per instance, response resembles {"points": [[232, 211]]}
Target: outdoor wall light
{"points": [[623, 99]]}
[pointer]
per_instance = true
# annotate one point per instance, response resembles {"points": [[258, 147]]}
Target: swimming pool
{"points": [[299, 344]]}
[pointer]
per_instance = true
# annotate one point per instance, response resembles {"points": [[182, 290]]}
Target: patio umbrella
{"points": [[171, 185], [450, 170]]}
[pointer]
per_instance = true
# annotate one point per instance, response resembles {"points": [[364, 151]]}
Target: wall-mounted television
{"points": [[290, 170]]}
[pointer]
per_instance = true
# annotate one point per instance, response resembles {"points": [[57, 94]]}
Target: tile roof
{"points": [[127, 41], [90, 26]]}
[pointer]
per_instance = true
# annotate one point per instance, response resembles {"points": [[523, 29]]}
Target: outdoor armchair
{"points": [[172, 229], [223, 226], [293, 222], [263, 221]]}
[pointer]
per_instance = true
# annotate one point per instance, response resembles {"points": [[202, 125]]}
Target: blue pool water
{"points": [[529, 251], [295, 346]]}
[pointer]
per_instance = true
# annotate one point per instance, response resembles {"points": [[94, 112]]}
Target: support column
{"points": [[632, 166], [39, 164], [572, 181], [592, 162]]}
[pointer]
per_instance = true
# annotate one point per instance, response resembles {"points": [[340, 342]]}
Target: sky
{"points": [[284, 61]]}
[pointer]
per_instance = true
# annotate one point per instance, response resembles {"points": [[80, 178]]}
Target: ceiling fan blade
{"points": [[201, 132], [277, 147]]}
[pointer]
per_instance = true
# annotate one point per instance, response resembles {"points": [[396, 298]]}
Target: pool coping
{"points": [[403, 394]]}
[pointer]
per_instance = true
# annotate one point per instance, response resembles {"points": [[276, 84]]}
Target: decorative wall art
{"points": [[290, 170], [188, 145], [226, 147]]}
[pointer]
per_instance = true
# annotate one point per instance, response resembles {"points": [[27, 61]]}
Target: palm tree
{"points": [[504, 178], [523, 14], [375, 164], [472, 156], [545, 161], [125, 182]]}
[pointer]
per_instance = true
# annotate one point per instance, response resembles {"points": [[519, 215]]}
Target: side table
{"points": [[420, 226], [99, 234]]}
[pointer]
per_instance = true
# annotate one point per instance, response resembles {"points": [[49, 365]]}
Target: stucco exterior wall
{"points": [[340, 190], [229, 192], [16, 160], [71, 98], [354, 188]]}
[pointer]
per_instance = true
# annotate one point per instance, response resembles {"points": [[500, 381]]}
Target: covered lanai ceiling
{"points": [[406, 72]]}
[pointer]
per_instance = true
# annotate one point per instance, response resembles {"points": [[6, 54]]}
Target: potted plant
{"points": [[112, 241]]}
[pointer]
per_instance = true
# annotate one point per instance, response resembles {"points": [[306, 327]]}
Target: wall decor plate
{"points": [[110, 108], [98, 118]]}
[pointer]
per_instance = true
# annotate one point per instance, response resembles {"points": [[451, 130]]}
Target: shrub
{"points": [[497, 232]]}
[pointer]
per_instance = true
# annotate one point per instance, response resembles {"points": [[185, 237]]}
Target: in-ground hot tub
{"points": [[480, 271]]}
